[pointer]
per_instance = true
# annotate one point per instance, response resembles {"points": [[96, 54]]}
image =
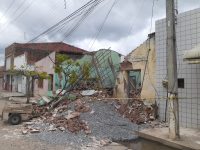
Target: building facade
{"points": [[26, 55], [188, 37], [137, 72]]}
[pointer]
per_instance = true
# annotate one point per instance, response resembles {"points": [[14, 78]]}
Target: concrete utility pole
{"points": [[174, 131]]}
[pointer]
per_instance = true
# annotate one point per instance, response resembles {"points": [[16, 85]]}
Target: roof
{"points": [[51, 46]]}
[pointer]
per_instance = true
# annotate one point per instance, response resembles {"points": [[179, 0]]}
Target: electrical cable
{"points": [[18, 16], [86, 14], [101, 27], [63, 20], [9, 7]]}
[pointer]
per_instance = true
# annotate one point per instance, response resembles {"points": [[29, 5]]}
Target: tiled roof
{"points": [[51, 46]]}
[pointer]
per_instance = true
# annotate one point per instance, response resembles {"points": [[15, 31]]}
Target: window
{"points": [[181, 83], [40, 83]]}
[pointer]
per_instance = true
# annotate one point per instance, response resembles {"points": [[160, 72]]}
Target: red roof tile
{"points": [[53, 46]]}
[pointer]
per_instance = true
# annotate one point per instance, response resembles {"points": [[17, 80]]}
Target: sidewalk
{"points": [[5, 94], [190, 138]]}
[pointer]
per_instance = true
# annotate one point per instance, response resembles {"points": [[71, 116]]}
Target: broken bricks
{"points": [[72, 115], [81, 106], [136, 111]]}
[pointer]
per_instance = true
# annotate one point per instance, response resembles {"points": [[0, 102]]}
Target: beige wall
{"points": [[138, 59], [44, 65]]}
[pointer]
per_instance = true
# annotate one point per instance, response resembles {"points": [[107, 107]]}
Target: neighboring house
{"points": [[1, 77], [19, 54], [45, 86], [188, 37], [137, 72]]}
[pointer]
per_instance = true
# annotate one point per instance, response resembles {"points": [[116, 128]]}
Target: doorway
{"points": [[134, 82]]}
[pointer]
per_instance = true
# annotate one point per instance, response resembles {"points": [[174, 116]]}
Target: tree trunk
{"points": [[28, 89]]}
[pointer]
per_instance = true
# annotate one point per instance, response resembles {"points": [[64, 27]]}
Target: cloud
{"points": [[126, 27]]}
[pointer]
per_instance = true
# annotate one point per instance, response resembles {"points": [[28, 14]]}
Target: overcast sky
{"points": [[126, 27]]}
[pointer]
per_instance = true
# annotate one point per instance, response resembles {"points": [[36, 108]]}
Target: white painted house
{"points": [[19, 81]]}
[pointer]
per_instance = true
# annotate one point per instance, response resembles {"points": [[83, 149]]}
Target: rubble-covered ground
{"points": [[86, 122], [95, 123], [12, 139]]}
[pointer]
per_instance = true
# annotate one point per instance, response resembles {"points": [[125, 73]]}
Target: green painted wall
{"points": [[101, 59]]}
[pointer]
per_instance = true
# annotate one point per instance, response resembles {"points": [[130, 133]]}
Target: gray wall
{"points": [[188, 36]]}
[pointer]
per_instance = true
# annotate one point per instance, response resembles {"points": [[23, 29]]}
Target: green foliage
{"points": [[28, 73], [73, 77], [43, 75], [86, 70], [62, 60]]}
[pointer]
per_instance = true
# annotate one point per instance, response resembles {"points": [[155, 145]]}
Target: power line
{"points": [[15, 12], [65, 19], [85, 15], [132, 25], [101, 26], [10, 5], [19, 15]]}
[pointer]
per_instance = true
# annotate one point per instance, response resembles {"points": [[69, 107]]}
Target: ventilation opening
{"points": [[181, 83]]}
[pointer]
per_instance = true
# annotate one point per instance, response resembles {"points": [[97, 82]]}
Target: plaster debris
{"points": [[88, 92], [137, 112]]}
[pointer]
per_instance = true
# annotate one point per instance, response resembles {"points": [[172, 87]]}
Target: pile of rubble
{"points": [[62, 118], [137, 112]]}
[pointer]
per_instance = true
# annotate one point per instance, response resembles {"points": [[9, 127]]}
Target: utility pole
{"points": [[174, 131]]}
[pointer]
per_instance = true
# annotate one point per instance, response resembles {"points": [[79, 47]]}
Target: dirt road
{"points": [[12, 139]]}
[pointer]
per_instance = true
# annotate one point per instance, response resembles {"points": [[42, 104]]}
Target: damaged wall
{"points": [[104, 66], [136, 60]]}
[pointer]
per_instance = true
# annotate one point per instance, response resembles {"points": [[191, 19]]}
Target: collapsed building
{"points": [[41, 57], [136, 78], [104, 66]]}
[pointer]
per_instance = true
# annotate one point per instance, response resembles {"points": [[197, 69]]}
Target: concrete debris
{"points": [[86, 116], [92, 112], [63, 117], [81, 107], [137, 112], [88, 92], [61, 128], [59, 90], [24, 132], [46, 99], [72, 115], [158, 124], [52, 128], [105, 142], [34, 130]]}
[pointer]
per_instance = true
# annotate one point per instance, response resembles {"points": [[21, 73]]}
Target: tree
{"points": [[31, 74], [70, 70]]}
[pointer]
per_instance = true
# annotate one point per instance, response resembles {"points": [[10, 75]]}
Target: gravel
{"points": [[104, 122]]}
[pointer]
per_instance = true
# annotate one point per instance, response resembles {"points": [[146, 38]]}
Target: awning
{"points": [[193, 56]]}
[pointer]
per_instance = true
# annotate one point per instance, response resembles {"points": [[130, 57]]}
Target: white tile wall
{"points": [[188, 36]]}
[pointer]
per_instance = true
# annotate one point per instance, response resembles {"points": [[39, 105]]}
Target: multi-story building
{"points": [[24, 56]]}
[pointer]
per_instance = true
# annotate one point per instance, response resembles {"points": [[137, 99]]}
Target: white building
{"points": [[188, 37]]}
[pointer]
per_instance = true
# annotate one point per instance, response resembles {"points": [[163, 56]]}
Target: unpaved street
{"points": [[12, 139]]}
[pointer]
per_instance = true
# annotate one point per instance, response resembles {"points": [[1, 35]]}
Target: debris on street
{"points": [[137, 112]]}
